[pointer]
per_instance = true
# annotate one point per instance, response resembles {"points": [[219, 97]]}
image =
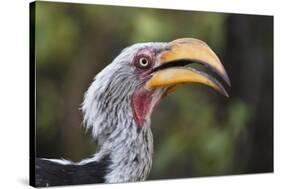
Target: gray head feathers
{"points": [[109, 116]]}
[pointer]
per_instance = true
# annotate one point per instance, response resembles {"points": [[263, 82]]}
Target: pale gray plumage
{"points": [[108, 113]]}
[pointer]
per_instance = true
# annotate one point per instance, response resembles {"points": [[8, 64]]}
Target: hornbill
{"points": [[117, 108]]}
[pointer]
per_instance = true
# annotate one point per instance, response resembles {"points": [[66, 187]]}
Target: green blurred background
{"points": [[197, 132]]}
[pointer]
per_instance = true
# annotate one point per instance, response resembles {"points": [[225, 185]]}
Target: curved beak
{"points": [[173, 69]]}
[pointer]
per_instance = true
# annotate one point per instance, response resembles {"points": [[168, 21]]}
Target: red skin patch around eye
{"points": [[142, 99], [147, 54]]}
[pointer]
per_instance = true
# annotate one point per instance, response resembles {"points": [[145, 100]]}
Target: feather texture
{"points": [[51, 173], [125, 150]]}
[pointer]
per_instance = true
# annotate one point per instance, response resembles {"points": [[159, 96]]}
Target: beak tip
{"points": [[227, 95], [222, 90], [225, 77], [227, 80], [224, 93]]}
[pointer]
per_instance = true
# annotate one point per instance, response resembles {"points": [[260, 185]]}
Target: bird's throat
{"points": [[143, 102]]}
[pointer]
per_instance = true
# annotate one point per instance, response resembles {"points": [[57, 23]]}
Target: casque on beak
{"points": [[173, 71]]}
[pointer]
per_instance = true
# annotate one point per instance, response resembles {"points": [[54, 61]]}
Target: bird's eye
{"points": [[144, 62]]}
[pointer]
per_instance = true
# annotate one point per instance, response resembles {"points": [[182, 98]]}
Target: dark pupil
{"points": [[144, 61]]}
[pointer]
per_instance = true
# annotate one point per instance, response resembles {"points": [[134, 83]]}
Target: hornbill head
{"points": [[142, 74], [165, 70]]}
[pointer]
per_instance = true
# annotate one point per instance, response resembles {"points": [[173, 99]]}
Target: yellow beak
{"points": [[172, 70]]}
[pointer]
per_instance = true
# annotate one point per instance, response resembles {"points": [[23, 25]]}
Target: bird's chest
{"points": [[133, 160]]}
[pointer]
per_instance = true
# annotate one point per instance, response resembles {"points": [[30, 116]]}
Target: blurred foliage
{"points": [[197, 132], [207, 141]]}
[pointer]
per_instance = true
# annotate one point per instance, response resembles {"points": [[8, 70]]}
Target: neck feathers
{"points": [[131, 155], [111, 120]]}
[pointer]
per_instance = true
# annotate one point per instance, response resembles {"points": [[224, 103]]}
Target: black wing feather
{"points": [[48, 173]]}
